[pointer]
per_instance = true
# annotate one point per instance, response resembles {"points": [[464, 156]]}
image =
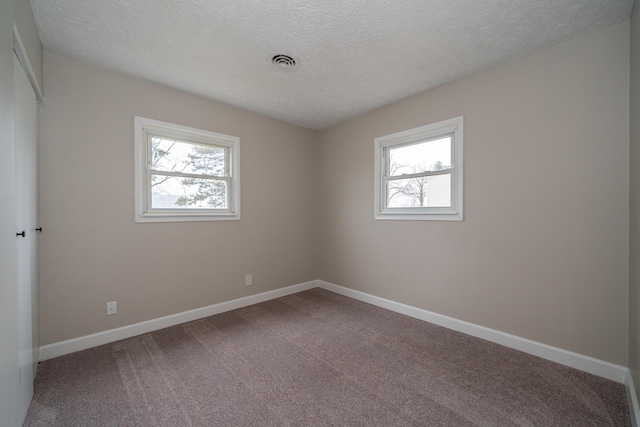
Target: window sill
{"points": [[187, 217], [419, 216]]}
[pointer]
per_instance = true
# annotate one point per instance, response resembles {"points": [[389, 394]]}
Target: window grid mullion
{"points": [[187, 175], [419, 175]]}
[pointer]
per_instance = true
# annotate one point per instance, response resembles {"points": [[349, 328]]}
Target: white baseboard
{"points": [[632, 398], [564, 357], [61, 348], [584, 363]]}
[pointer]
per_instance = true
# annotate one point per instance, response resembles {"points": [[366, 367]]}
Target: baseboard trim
{"points": [[584, 363], [61, 348], [632, 398], [564, 357], [588, 364]]}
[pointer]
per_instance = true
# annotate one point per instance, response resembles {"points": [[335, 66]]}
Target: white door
{"points": [[26, 143]]}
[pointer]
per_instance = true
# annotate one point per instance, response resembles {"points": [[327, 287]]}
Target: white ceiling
{"points": [[355, 55]]}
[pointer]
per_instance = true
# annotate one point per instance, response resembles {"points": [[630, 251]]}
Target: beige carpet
{"points": [[316, 359]]}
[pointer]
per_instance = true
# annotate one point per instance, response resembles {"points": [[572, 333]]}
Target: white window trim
{"points": [[455, 212], [142, 213]]}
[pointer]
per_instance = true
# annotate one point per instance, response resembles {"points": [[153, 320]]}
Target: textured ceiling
{"points": [[354, 55]]}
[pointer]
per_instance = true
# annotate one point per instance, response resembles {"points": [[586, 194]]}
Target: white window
{"points": [[418, 173], [185, 174]]}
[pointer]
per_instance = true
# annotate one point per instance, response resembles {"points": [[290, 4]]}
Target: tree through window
{"points": [[185, 174], [419, 173]]}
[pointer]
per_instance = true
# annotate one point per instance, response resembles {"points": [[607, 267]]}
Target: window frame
{"points": [[452, 127], [231, 144]]}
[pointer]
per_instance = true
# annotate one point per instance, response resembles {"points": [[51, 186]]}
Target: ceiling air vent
{"points": [[284, 62]]}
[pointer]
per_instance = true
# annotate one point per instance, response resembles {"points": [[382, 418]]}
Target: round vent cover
{"points": [[284, 62]]}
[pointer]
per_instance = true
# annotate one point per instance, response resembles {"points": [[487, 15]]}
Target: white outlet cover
{"points": [[112, 308]]}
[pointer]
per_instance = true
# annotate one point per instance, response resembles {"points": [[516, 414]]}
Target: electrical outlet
{"points": [[112, 308], [248, 280]]}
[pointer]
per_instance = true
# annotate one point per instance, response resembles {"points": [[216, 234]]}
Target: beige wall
{"points": [[543, 250], [634, 199], [542, 253], [91, 250]]}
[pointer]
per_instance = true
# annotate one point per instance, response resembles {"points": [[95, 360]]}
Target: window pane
{"points": [[172, 192], [432, 155], [426, 191], [174, 156]]}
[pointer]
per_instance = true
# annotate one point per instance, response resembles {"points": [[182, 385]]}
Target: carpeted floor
{"points": [[316, 359]]}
